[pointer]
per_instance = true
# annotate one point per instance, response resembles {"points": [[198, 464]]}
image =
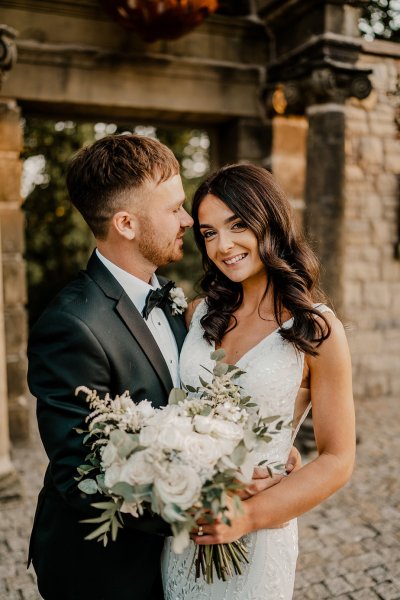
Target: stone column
{"points": [[245, 140], [12, 247], [5, 462], [14, 286], [9, 486]]}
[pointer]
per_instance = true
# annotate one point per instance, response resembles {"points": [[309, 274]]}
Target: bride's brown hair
{"points": [[292, 268]]}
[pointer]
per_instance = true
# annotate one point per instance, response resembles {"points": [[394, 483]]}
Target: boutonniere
{"points": [[178, 300]]}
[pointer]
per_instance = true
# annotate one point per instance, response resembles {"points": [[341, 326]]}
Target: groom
{"points": [[100, 332]]}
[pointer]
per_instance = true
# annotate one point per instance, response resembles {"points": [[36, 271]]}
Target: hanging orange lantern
{"points": [[161, 19]]}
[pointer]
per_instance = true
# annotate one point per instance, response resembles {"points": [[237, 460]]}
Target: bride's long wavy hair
{"points": [[291, 266]]}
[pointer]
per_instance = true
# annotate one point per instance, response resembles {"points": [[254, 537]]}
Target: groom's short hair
{"points": [[101, 177]]}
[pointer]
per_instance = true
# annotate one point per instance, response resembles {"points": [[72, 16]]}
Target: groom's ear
{"points": [[125, 224]]}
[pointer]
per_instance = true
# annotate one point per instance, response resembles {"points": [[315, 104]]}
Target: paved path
{"points": [[350, 546]]}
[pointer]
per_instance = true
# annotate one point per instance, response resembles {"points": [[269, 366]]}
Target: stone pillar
{"points": [[324, 217], [12, 225], [9, 484], [313, 74], [12, 248], [5, 462], [245, 140]]}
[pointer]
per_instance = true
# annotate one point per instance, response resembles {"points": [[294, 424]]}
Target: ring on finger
{"points": [[200, 531]]}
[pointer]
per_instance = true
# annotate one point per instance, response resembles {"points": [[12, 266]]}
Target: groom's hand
{"points": [[262, 480], [293, 461]]}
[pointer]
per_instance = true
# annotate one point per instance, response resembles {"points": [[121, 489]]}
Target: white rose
{"points": [[203, 424], [202, 451], [178, 484], [138, 469], [109, 455], [171, 437], [148, 435], [227, 430], [112, 475]]}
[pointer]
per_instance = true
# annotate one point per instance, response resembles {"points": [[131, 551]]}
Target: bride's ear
{"points": [[124, 224]]}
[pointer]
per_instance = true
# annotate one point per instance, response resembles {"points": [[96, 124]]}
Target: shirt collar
{"points": [[135, 288]]}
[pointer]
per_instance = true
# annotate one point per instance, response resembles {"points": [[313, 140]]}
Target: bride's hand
{"points": [[218, 532]]}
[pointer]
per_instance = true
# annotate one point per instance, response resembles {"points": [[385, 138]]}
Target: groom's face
{"points": [[162, 222]]}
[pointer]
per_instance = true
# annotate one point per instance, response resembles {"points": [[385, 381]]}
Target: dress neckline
{"points": [[271, 333]]}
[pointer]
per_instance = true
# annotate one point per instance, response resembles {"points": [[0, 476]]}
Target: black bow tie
{"points": [[158, 297]]}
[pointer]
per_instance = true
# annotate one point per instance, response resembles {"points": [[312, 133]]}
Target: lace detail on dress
{"points": [[274, 370]]}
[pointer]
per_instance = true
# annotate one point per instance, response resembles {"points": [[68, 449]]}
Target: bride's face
{"points": [[230, 244]]}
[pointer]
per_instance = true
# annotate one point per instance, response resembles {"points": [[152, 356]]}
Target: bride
{"points": [[262, 307]]}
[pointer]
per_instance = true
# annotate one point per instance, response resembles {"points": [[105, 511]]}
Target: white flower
{"points": [[178, 300], [172, 436], [148, 436], [203, 424], [178, 484], [146, 409], [112, 475], [138, 469], [109, 454], [202, 452]]}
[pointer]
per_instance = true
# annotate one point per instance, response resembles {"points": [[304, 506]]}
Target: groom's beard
{"points": [[157, 251]]}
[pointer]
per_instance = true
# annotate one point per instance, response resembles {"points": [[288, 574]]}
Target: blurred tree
{"points": [[58, 241], [381, 20]]}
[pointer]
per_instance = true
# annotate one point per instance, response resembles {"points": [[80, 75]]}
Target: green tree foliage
{"points": [[381, 20], [58, 241]]}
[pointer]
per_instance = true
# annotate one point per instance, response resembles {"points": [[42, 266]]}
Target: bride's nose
{"points": [[225, 243]]}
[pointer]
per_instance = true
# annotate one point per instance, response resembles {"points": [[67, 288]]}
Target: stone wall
{"points": [[371, 275]]}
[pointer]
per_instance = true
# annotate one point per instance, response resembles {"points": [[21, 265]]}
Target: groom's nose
{"points": [[186, 220]]}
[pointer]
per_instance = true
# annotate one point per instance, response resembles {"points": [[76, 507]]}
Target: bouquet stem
{"points": [[224, 558]]}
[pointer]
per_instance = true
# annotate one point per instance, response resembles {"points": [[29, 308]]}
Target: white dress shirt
{"points": [[157, 322]]}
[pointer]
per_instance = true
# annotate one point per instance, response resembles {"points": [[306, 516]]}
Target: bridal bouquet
{"points": [[180, 461]]}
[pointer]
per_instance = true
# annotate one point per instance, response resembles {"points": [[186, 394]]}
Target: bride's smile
{"points": [[230, 243]]}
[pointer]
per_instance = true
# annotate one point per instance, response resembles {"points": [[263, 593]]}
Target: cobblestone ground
{"points": [[349, 547]]}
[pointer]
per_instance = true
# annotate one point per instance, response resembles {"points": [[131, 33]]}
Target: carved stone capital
{"points": [[324, 84], [8, 50]]}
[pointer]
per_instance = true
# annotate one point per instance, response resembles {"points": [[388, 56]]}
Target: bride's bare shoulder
{"points": [[190, 310]]}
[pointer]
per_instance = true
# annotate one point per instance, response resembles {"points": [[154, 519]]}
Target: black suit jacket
{"points": [[92, 335]]}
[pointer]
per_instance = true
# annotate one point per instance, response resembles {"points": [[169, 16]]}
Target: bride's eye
{"points": [[239, 226], [208, 234]]}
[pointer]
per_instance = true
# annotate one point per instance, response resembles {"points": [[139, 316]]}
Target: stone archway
{"points": [[231, 74]]}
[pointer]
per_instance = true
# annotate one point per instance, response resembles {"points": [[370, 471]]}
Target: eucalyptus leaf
{"points": [[238, 455], [88, 486], [123, 489], [97, 532], [190, 389], [203, 382], [176, 396], [220, 369], [218, 355]]}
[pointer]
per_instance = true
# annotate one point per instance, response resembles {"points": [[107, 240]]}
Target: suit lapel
{"points": [[138, 328], [131, 317], [177, 323]]}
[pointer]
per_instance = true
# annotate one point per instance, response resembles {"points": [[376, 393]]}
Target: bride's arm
{"points": [[333, 416]]}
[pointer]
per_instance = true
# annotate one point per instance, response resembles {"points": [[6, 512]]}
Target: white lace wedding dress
{"points": [[273, 376]]}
